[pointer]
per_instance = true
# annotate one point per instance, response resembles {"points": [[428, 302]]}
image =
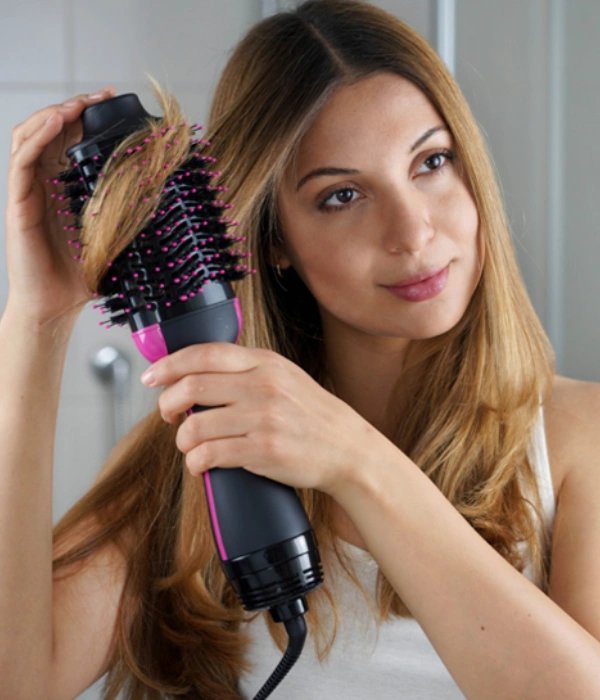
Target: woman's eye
{"points": [[344, 197], [435, 161]]}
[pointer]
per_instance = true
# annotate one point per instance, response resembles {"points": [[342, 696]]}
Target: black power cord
{"points": [[296, 630]]}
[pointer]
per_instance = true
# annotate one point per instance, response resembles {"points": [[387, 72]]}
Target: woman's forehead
{"points": [[376, 110]]}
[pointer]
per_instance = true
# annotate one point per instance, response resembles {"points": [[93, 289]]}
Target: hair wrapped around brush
{"points": [[155, 169]]}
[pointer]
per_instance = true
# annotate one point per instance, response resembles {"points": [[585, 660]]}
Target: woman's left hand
{"points": [[272, 418]]}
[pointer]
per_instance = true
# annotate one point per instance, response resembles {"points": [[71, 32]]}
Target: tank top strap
{"points": [[540, 462]]}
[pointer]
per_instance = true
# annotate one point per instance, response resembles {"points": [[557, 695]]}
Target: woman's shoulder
{"points": [[572, 423]]}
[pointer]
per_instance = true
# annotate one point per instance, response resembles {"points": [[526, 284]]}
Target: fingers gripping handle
{"points": [[250, 512]]}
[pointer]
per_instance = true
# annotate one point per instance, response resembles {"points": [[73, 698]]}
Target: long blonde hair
{"points": [[474, 393]]}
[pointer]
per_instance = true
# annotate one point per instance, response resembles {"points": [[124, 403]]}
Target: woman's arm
{"points": [[31, 366], [56, 630], [496, 632]]}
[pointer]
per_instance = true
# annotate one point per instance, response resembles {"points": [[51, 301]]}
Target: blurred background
{"points": [[528, 68]]}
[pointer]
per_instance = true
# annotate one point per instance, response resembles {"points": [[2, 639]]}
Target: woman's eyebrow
{"points": [[426, 135], [318, 172], [325, 171]]}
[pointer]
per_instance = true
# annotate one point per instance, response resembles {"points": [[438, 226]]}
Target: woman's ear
{"points": [[282, 261], [276, 255]]}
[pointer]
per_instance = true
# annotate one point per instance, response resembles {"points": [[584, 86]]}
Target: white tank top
{"points": [[398, 663]]}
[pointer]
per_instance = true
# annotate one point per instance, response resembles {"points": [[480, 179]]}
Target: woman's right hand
{"points": [[45, 283]]}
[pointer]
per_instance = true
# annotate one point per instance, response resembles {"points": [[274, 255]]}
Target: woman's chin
{"points": [[428, 326]]}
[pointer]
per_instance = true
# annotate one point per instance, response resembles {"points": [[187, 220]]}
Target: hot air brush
{"points": [[171, 284]]}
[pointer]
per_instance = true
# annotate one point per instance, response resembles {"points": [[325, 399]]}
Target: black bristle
{"points": [[184, 247]]}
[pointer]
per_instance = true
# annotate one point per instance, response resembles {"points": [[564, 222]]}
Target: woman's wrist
{"points": [[19, 319]]}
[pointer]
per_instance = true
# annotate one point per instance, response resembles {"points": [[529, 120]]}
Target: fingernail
{"points": [[96, 95], [148, 378], [69, 103]]}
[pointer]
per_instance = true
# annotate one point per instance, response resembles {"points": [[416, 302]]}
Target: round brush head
{"points": [[186, 245]]}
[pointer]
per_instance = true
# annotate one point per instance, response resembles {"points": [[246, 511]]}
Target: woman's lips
{"points": [[423, 290]]}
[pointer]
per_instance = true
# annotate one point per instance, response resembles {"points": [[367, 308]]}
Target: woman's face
{"points": [[373, 200]]}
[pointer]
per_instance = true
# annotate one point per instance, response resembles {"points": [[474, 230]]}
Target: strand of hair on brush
{"points": [[162, 172]]}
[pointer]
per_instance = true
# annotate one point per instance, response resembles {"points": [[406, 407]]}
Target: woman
{"points": [[388, 332]]}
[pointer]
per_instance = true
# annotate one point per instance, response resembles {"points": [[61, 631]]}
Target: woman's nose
{"points": [[407, 225]]}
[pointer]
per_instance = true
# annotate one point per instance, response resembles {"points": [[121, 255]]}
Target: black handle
{"points": [[250, 512]]}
